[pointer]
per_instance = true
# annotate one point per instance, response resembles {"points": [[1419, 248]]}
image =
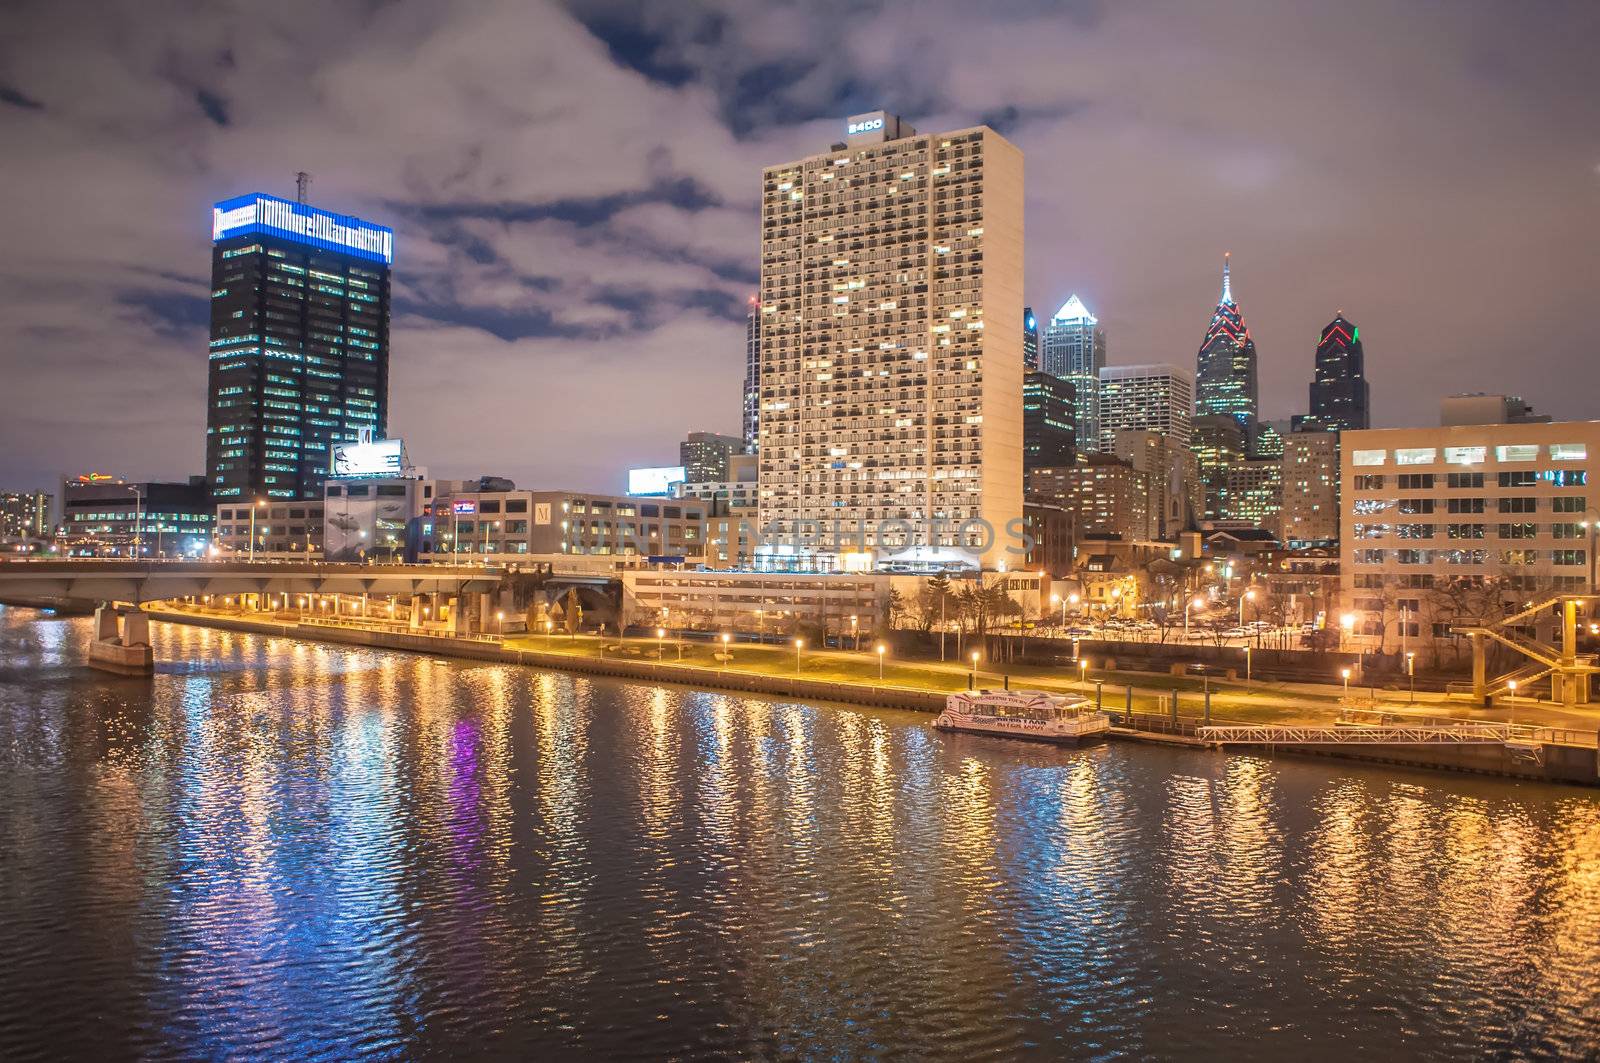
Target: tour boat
{"points": [[1038, 715]]}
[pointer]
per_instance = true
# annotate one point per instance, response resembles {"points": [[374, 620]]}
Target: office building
{"points": [[1154, 398], [1047, 430], [1309, 478], [1075, 350], [1253, 492], [299, 355], [493, 521], [705, 456], [1030, 341], [1219, 442], [737, 492], [1176, 500], [1053, 532], [1463, 523], [1225, 368], [25, 514], [1478, 408], [1104, 495], [275, 531], [102, 516], [891, 301], [1339, 394], [752, 375]]}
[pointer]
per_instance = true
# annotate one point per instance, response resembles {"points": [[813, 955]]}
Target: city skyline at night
{"points": [[634, 248]]}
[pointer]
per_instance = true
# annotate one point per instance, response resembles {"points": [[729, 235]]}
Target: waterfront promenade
{"points": [[718, 664]]}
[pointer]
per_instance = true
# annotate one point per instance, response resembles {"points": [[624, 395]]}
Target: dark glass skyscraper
{"points": [[1225, 368], [299, 343], [1030, 340], [1339, 397], [1048, 431]]}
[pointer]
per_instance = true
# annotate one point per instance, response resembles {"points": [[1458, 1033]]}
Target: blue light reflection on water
{"points": [[316, 852]]}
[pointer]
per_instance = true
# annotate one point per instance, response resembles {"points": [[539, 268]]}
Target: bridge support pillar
{"points": [[127, 652]]}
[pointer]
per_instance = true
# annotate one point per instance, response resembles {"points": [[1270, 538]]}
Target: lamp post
{"points": [[799, 644], [1196, 602], [1247, 663], [661, 649], [549, 628], [881, 648], [1411, 674], [761, 626], [1347, 623], [1345, 672], [258, 505], [1083, 669], [726, 653], [1247, 596], [974, 679], [855, 633], [138, 519]]}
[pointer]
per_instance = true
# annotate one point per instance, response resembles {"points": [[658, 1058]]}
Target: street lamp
{"points": [[1346, 673], [1196, 602], [855, 633], [138, 520], [1247, 596], [661, 649], [881, 649], [1347, 624], [974, 668], [1411, 673], [1083, 669], [258, 505], [799, 644], [1247, 663], [549, 628], [725, 652]]}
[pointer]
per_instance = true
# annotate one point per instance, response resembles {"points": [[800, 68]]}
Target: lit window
{"points": [[1465, 455], [1368, 457], [1521, 452], [1568, 452], [1415, 456]]}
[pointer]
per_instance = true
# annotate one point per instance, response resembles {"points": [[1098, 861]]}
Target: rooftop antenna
{"points": [[301, 180]]}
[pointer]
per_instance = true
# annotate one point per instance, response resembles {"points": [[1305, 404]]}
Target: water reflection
{"points": [[295, 850]]}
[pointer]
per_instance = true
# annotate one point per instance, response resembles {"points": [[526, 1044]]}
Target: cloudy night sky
{"points": [[575, 190]]}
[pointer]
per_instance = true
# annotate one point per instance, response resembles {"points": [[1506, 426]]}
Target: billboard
{"points": [[654, 481], [369, 457], [464, 506], [271, 216]]}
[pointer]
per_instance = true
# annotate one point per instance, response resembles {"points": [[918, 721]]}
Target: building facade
{"points": [[25, 514], [1104, 495], [1225, 367], [706, 456], [1309, 516], [270, 531], [752, 375], [463, 521], [1048, 433], [1462, 523], [106, 517], [1253, 493], [1153, 398], [299, 354], [891, 303], [1219, 443], [1176, 501], [1030, 341], [1074, 349]]}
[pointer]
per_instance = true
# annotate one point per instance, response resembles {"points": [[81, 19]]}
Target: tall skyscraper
{"points": [[1048, 434], [1156, 398], [1075, 351], [1219, 442], [299, 343], [1339, 390], [1310, 479], [1225, 368], [752, 375], [1030, 340], [891, 303]]}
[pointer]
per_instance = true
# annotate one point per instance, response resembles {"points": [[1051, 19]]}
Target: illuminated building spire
{"points": [[1227, 288]]}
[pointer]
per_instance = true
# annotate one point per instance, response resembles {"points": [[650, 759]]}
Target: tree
{"points": [[893, 609], [573, 613]]}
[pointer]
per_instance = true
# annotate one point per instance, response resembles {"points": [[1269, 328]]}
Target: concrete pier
{"points": [[121, 644]]}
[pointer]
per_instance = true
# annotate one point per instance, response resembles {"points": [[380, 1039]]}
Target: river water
{"points": [[288, 850]]}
